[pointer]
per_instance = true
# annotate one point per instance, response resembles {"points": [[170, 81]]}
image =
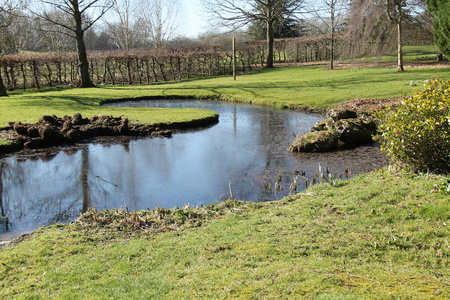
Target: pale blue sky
{"points": [[193, 19]]}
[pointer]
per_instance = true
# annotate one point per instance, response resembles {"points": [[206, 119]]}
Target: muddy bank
{"points": [[54, 131]]}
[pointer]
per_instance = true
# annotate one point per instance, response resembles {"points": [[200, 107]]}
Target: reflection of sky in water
{"points": [[41, 193], [246, 150]]}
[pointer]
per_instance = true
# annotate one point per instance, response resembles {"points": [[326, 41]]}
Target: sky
{"points": [[192, 19], [193, 22]]}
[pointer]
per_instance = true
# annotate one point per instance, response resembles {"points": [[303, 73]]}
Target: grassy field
{"points": [[293, 87], [377, 236]]}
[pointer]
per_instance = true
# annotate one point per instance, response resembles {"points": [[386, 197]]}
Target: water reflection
{"points": [[244, 153]]}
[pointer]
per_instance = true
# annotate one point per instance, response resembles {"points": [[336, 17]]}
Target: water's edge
{"points": [[244, 154]]}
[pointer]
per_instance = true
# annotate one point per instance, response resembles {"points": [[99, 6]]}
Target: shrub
{"points": [[416, 133]]}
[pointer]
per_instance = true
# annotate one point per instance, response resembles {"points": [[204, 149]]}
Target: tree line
{"points": [[114, 66], [341, 28]]}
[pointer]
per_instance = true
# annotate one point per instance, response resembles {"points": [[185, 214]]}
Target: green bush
{"points": [[416, 133]]}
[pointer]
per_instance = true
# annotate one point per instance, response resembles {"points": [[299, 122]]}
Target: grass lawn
{"points": [[293, 87], [377, 236]]}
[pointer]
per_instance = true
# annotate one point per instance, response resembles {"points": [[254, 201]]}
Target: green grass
{"points": [[29, 106], [5, 142], [411, 54], [293, 87], [377, 236]]}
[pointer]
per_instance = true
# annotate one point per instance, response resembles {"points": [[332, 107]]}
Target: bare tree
{"points": [[239, 13], [4, 22], [162, 18], [395, 14], [126, 27], [331, 13], [79, 16], [51, 37], [14, 38], [8, 11]]}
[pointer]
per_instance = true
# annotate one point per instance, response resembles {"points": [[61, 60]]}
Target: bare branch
{"points": [[239, 13]]}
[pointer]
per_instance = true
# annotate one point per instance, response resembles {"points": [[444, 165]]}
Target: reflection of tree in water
{"points": [[113, 184], [34, 194], [3, 217], [273, 131], [84, 178]]}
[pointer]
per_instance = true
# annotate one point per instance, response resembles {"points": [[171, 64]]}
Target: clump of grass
{"points": [[443, 187], [5, 142], [156, 220]]}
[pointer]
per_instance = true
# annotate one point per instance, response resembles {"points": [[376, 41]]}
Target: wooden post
{"points": [[234, 58]]}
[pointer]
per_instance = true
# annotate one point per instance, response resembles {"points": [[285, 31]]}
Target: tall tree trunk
{"points": [[270, 42], [3, 92], [400, 45], [83, 64], [395, 15], [333, 28], [270, 39]]}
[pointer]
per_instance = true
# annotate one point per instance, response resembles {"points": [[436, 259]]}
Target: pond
{"points": [[244, 156]]}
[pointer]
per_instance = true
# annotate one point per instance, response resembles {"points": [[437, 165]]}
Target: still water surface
{"points": [[244, 154]]}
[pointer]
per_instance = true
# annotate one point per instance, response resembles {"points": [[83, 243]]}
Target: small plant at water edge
{"points": [[443, 187], [417, 133], [158, 219]]}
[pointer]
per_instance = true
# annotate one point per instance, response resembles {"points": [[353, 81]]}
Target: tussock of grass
{"points": [[376, 236], [5, 142], [157, 220]]}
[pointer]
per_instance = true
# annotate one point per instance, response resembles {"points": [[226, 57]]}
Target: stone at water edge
{"points": [[317, 141]]}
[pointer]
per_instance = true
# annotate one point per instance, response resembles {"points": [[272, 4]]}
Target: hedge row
{"points": [[153, 65]]}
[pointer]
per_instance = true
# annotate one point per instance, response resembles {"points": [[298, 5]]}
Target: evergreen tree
{"points": [[283, 28], [441, 30]]}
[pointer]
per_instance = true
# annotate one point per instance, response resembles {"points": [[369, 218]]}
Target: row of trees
{"points": [[386, 13], [162, 64], [366, 22], [118, 66]]}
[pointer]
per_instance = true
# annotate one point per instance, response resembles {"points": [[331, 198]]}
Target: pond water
{"points": [[244, 155]]}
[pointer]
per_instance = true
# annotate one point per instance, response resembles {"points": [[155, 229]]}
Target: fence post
{"points": [[234, 58]]}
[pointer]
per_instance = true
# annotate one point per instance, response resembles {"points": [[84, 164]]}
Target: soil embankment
{"points": [[53, 131]]}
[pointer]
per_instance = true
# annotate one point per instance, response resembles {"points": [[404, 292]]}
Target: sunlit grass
{"points": [[5, 142], [377, 236], [411, 54]]}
